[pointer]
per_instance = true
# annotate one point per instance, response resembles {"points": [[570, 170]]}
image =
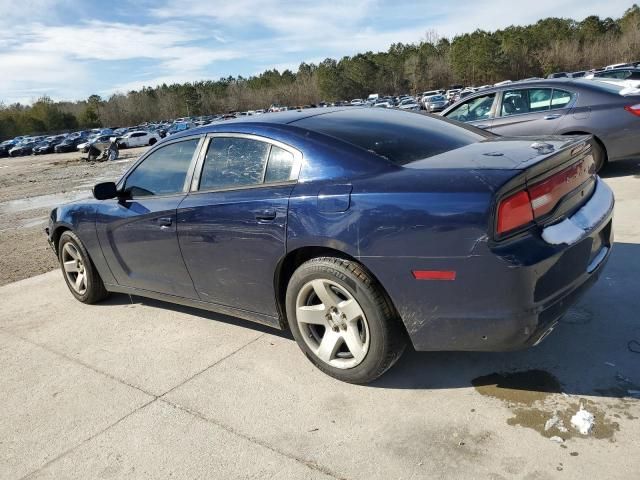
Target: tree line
{"points": [[477, 58]]}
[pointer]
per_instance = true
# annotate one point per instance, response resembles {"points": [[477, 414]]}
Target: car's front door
{"points": [[531, 111], [138, 231], [232, 226], [477, 111]]}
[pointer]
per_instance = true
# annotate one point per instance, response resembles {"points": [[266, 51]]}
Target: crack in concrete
{"points": [[309, 464]]}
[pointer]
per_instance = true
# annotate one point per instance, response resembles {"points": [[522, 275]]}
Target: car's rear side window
{"points": [[234, 162], [400, 137], [280, 165], [240, 162], [560, 99]]}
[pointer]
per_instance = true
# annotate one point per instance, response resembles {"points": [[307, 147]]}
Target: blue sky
{"points": [[69, 49]]}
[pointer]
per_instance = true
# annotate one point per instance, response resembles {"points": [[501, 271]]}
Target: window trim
{"points": [[571, 104], [295, 169], [187, 181]]}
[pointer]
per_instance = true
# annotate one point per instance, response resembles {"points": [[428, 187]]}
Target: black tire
{"points": [[95, 290], [387, 338], [152, 142]]}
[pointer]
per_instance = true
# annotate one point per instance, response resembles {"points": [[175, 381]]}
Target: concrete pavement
{"points": [[135, 388]]}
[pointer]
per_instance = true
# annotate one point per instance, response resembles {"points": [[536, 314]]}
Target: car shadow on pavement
{"points": [[595, 350], [621, 168], [123, 299], [591, 352]]}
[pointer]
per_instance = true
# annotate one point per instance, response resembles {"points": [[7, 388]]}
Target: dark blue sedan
{"points": [[361, 230]]}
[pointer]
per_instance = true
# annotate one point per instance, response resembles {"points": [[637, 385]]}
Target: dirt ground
{"points": [[29, 188]]}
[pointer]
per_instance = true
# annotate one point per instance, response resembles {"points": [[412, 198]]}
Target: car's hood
{"points": [[499, 153]]}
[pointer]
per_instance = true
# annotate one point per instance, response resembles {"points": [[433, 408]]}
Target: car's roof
{"points": [[582, 83], [266, 119]]}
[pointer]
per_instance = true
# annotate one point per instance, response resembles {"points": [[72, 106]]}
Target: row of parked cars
{"points": [[125, 137], [620, 71]]}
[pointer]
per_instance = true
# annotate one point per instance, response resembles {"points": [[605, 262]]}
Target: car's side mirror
{"points": [[105, 191]]}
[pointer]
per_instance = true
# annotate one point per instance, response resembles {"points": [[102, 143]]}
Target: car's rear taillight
{"points": [[546, 194], [521, 208], [635, 109], [514, 211]]}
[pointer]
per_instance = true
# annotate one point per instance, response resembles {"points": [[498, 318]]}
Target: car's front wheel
{"points": [[342, 320], [80, 274]]}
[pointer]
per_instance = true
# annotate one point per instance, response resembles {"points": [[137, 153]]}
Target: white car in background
{"points": [[138, 138], [408, 104]]}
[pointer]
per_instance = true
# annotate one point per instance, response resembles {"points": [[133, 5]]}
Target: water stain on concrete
{"points": [[536, 418], [533, 397]]}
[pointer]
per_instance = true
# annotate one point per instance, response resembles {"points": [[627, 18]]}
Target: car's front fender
{"points": [[79, 217]]}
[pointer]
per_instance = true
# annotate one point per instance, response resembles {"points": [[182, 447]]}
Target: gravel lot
{"points": [[134, 388], [29, 187]]}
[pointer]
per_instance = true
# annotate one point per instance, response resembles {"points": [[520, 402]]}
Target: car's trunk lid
{"points": [[547, 178], [503, 153]]}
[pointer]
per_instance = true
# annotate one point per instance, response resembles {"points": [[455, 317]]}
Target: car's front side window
{"points": [[478, 108], [163, 172]]}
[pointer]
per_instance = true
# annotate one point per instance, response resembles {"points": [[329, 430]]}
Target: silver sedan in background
{"points": [[608, 111], [435, 103]]}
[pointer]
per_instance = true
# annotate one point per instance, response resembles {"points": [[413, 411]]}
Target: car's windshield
{"points": [[436, 98]]}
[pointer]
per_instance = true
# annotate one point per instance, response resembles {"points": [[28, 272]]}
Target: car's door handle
{"points": [[266, 215], [483, 126], [552, 117], [165, 222]]}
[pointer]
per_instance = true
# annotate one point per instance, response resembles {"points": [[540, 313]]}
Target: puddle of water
{"points": [[536, 419], [42, 201], [533, 398]]}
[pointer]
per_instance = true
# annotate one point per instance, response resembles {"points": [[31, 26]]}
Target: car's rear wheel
{"points": [[342, 320], [80, 274], [152, 141]]}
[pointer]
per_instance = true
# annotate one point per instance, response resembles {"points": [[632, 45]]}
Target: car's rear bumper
{"points": [[503, 298]]}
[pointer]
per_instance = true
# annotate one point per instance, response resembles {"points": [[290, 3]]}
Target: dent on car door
{"points": [[477, 111], [232, 226], [138, 231], [531, 111]]}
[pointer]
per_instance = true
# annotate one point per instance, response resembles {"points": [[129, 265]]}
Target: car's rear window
{"points": [[400, 137]]}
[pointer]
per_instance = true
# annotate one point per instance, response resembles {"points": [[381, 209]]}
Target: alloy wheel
{"points": [[74, 268], [332, 323]]}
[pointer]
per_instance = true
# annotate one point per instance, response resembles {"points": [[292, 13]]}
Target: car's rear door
{"points": [[531, 111], [232, 225], [138, 232]]}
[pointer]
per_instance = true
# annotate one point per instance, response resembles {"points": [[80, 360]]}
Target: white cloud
{"points": [[44, 51]]}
